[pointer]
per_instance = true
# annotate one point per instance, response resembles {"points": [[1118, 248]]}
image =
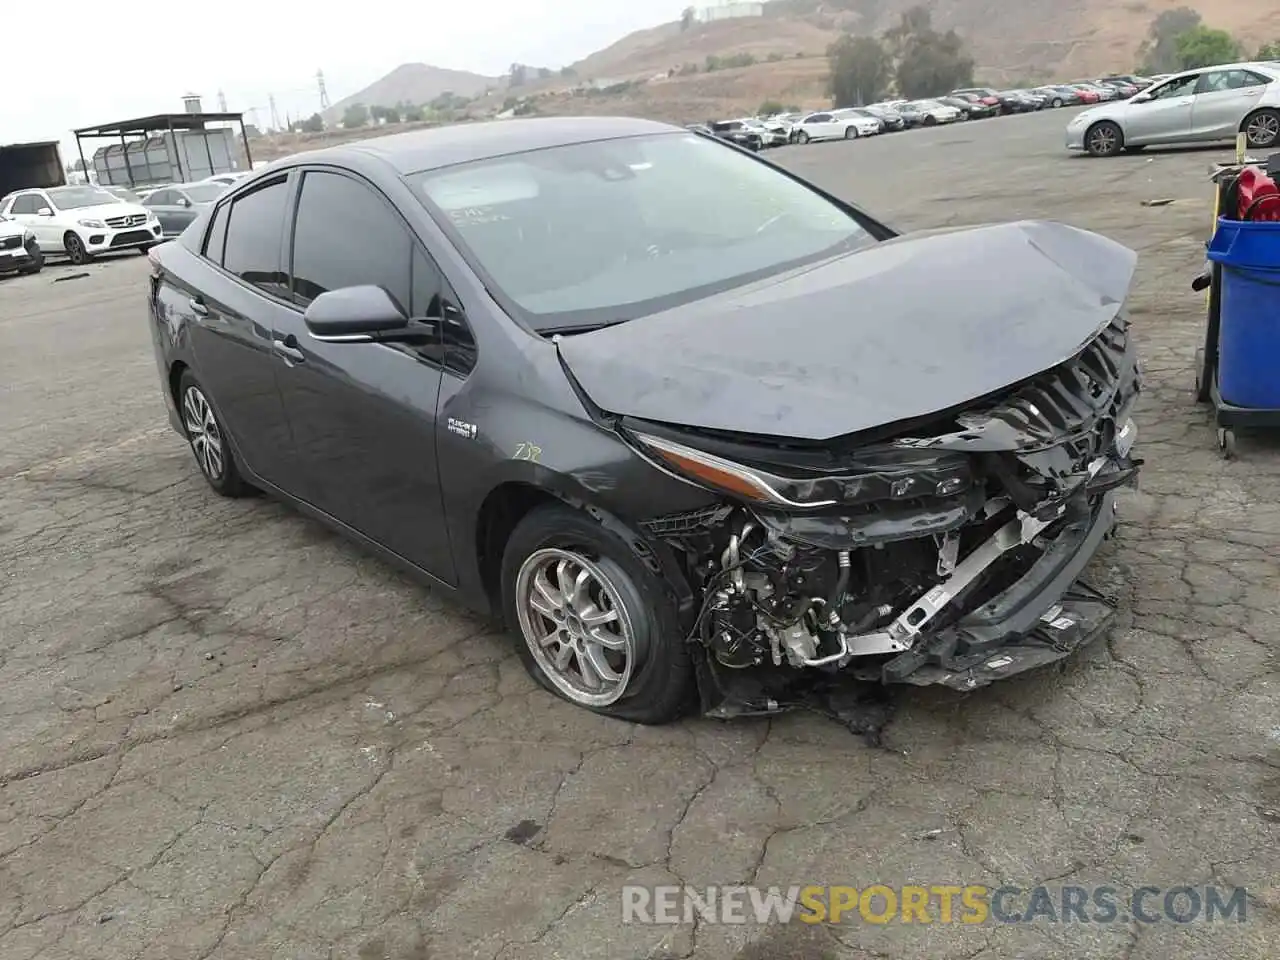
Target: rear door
{"points": [[1222, 98], [231, 316], [821, 125], [364, 414], [1166, 117]]}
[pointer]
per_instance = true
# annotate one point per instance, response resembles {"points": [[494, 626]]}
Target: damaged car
{"points": [[688, 424]]}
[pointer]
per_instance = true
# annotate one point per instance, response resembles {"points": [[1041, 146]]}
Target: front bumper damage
{"points": [[956, 590]]}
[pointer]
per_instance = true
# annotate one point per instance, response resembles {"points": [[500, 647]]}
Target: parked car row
{"points": [[968, 103], [82, 221]]}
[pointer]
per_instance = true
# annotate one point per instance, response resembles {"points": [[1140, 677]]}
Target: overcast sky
{"points": [[83, 63]]}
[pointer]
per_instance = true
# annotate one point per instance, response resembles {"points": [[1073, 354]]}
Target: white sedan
{"points": [[833, 125], [932, 112]]}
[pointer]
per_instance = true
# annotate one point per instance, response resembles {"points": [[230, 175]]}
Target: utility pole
{"points": [[275, 117], [222, 102], [324, 94]]}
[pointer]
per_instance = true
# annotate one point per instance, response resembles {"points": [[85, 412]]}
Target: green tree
{"points": [[1159, 51], [568, 72], [860, 71], [1204, 47], [769, 108], [411, 112], [519, 74], [356, 115], [313, 124], [927, 63], [1269, 51]]}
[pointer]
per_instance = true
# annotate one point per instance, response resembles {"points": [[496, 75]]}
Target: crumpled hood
{"points": [[915, 326]]}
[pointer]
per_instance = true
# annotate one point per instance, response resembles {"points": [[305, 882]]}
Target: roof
{"points": [[430, 149], [32, 144], [157, 122]]}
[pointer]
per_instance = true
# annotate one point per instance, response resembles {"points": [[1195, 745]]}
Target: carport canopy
{"points": [[159, 123]]}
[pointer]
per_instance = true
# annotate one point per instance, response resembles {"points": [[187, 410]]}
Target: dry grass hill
{"points": [[415, 83], [661, 72]]}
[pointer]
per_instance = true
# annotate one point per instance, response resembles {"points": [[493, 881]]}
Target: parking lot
{"points": [[225, 733]]}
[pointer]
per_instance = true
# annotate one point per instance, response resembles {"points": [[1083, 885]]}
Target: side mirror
{"points": [[1141, 98], [359, 315], [44, 212], [184, 202]]}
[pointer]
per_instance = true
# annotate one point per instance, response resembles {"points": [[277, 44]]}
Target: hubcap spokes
{"points": [[202, 429], [1263, 130], [576, 626]]}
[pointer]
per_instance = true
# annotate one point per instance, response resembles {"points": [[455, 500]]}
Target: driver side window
{"points": [[28, 203], [1176, 88]]}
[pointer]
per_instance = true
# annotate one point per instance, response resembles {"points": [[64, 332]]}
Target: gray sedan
{"points": [[176, 206], [1196, 106]]}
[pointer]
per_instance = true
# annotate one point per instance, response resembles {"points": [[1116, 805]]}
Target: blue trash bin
{"points": [[1249, 338]]}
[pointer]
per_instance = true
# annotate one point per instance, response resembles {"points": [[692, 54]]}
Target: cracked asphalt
{"points": [[225, 733]]}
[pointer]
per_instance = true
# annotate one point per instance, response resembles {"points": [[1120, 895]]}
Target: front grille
{"points": [[1069, 400], [11, 243], [130, 220], [133, 236]]}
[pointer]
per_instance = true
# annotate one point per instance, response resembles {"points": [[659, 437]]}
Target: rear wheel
{"points": [[1104, 139], [1262, 129], [596, 626], [802, 137], [1057, 101], [208, 439]]}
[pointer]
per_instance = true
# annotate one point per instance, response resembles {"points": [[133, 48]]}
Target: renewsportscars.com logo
{"points": [[938, 903]]}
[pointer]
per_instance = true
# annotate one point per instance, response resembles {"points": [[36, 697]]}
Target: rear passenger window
{"points": [[345, 235], [253, 234], [217, 238], [159, 199]]}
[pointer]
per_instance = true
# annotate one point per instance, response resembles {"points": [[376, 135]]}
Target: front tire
{"points": [[208, 439], [802, 137], [595, 626], [77, 253], [851, 133], [1104, 139], [1057, 102], [1262, 129]]}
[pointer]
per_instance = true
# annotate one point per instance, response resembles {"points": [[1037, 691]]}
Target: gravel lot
{"points": [[225, 733]]}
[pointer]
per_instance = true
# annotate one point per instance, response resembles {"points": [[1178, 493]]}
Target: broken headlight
{"points": [[864, 477]]}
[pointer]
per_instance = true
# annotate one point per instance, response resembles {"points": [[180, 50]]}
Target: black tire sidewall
{"points": [[230, 484], [662, 686]]}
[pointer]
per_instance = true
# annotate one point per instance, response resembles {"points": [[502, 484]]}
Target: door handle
{"points": [[288, 349], [198, 307]]}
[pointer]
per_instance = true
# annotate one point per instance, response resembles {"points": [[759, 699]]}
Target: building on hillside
{"points": [[730, 10]]}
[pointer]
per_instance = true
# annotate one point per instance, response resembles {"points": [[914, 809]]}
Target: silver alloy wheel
{"points": [[76, 252], [1103, 140], [576, 625], [1263, 129], [203, 433]]}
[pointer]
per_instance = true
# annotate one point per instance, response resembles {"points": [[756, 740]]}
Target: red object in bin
{"points": [[1259, 195]]}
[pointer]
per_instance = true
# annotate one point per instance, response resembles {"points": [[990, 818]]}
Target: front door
{"points": [[24, 210], [363, 415], [1222, 99], [1165, 118]]}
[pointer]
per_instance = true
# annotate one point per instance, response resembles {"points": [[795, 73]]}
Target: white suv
{"points": [[82, 221]]}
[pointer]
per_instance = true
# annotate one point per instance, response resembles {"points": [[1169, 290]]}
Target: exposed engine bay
{"points": [[944, 552]]}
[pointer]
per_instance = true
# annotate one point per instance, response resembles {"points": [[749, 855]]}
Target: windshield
{"points": [[120, 193], [927, 105], [204, 192], [594, 233], [70, 198]]}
